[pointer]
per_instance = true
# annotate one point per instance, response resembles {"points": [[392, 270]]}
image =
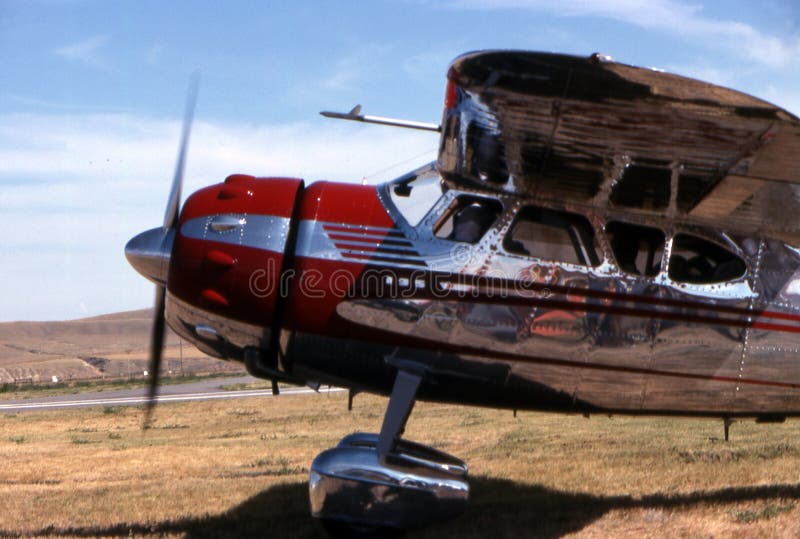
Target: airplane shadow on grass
{"points": [[498, 508]]}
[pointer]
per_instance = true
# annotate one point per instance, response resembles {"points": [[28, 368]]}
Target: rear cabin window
{"points": [[552, 235], [698, 261], [637, 249], [467, 219]]}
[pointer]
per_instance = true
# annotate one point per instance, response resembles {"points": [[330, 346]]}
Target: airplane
{"points": [[593, 238]]}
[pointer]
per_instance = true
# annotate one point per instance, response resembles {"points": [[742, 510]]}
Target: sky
{"points": [[92, 94]]}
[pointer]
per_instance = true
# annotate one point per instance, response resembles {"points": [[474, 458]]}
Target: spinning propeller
{"points": [[149, 253]]}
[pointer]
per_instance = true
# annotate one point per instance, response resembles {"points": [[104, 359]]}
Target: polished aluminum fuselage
{"points": [[374, 289], [495, 328], [501, 329]]}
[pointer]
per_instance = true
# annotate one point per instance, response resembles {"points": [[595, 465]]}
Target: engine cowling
{"points": [[232, 246]]}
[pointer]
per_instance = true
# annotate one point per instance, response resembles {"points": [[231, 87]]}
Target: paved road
{"points": [[204, 390]]}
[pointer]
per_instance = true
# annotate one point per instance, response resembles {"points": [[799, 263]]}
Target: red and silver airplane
{"points": [[593, 238]]}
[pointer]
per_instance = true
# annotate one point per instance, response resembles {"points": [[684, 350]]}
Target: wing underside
{"points": [[588, 131]]}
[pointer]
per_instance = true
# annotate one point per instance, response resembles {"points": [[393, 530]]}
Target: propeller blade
{"points": [[170, 221], [156, 351], [173, 203]]}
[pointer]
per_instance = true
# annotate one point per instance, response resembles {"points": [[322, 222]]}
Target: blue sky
{"points": [[91, 94]]}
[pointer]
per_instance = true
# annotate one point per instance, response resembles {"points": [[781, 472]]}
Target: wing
{"points": [[591, 131]]}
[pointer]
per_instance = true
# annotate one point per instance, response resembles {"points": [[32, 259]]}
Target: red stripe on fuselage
{"points": [[342, 203], [319, 285]]}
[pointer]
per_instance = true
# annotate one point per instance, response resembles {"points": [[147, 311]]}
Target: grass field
{"points": [[239, 469]]}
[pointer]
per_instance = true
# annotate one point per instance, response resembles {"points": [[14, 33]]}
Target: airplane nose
{"points": [[149, 253]]}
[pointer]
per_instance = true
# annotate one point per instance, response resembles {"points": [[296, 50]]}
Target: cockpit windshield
{"points": [[415, 193]]}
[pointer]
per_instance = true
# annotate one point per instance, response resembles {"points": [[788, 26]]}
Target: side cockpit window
{"points": [[698, 261], [552, 235], [637, 249], [467, 219]]}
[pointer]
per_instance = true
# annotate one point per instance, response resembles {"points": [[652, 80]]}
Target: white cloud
{"points": [[349, 71], [29, 102], [668, 16], [93, 146], [345, 75], [87, 52]]}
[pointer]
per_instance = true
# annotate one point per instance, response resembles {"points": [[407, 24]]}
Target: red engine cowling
{"points": [[228, 256]]}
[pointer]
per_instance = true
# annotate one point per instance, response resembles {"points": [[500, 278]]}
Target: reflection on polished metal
{"points": [[220, 336], [226, 223], [554, 335], [206, 332], [570, 128], [266, 232], [416, 486], [149, 253]]}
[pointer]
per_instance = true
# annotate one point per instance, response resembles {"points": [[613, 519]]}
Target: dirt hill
{"points": [[102, 346]]}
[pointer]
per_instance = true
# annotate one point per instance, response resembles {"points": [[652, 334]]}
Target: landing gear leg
{"points": [[401, 403], [380, 481]]}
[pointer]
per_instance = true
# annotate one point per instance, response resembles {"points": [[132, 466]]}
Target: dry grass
{"points": [[239, 468]]}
